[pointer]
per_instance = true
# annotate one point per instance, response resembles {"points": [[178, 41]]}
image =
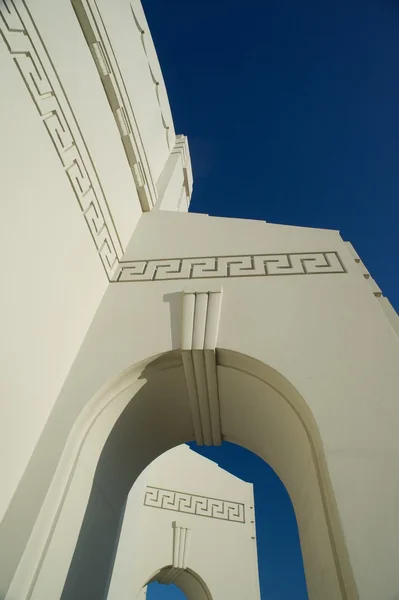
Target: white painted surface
{"points": [[62, 206], [50, 258], [217, 544], [321, 331], [175, 183], [143, 594], [94, 387], [84, 91], [140, 71]]}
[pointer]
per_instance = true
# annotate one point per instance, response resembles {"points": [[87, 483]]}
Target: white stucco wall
{"points": [[220, 541], [175, 183], [68, 210], [94, 292], [129, 35], [325, 332], [143, 594], [43, 317]]}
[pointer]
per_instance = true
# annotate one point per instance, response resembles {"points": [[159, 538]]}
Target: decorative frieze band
{"points": [[37, 71], [202, 506], [30, 56], [250, 265]]}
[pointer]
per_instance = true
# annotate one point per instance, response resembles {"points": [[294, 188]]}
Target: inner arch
{"points": [[189, 582]]}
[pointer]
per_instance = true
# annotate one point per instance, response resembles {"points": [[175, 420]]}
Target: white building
{"points": [[129, 326], [188, 522]]}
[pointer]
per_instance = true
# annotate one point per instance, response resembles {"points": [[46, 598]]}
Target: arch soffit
{"points": [[130, 381]]}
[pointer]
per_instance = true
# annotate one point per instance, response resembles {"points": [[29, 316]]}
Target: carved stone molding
{"points": [[181, 545], [181, 148], [40, 77], [34, 64], [244, 265], [143, 36], [200, 324], [202, 506], [111, 77]]}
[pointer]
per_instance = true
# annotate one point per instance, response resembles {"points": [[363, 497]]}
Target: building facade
{"points": [[190, 523], [130, 326]]}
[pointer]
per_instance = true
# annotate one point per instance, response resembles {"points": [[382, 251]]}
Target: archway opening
{"points": [[188, 585], [160, 591], [280, 561], [277, 563], [145, 413]]}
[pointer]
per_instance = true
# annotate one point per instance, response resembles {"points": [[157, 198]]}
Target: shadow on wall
{"points": [[136, 439], [175, 301], [155, 416], [124, 456], [280, 562]]}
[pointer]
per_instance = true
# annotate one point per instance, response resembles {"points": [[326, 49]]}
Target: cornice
{"points": [[111, 77]]}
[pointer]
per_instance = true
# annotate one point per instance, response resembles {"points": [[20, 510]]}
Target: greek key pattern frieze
{"points": [[252, 265], [202, 506], [30, 56]]}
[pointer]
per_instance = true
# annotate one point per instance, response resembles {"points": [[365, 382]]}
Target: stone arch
{"points": [[123, 428], [188, 581]]}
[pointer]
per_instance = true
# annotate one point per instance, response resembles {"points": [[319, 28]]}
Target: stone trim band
{"points": [[250, 265], [30, 55], [202, 506]]}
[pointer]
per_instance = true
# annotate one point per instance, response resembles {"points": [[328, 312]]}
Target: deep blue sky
{"points": [[292, 114]]}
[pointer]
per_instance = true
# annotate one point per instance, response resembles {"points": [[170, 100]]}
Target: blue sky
{"points": [[292, 114], [277, 536]]}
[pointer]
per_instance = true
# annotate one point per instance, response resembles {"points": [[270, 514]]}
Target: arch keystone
{"points": [[200, 325]]}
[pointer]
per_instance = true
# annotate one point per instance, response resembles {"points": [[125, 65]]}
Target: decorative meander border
{"points": [[250, 265], [202, 506], [30, 55]]}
